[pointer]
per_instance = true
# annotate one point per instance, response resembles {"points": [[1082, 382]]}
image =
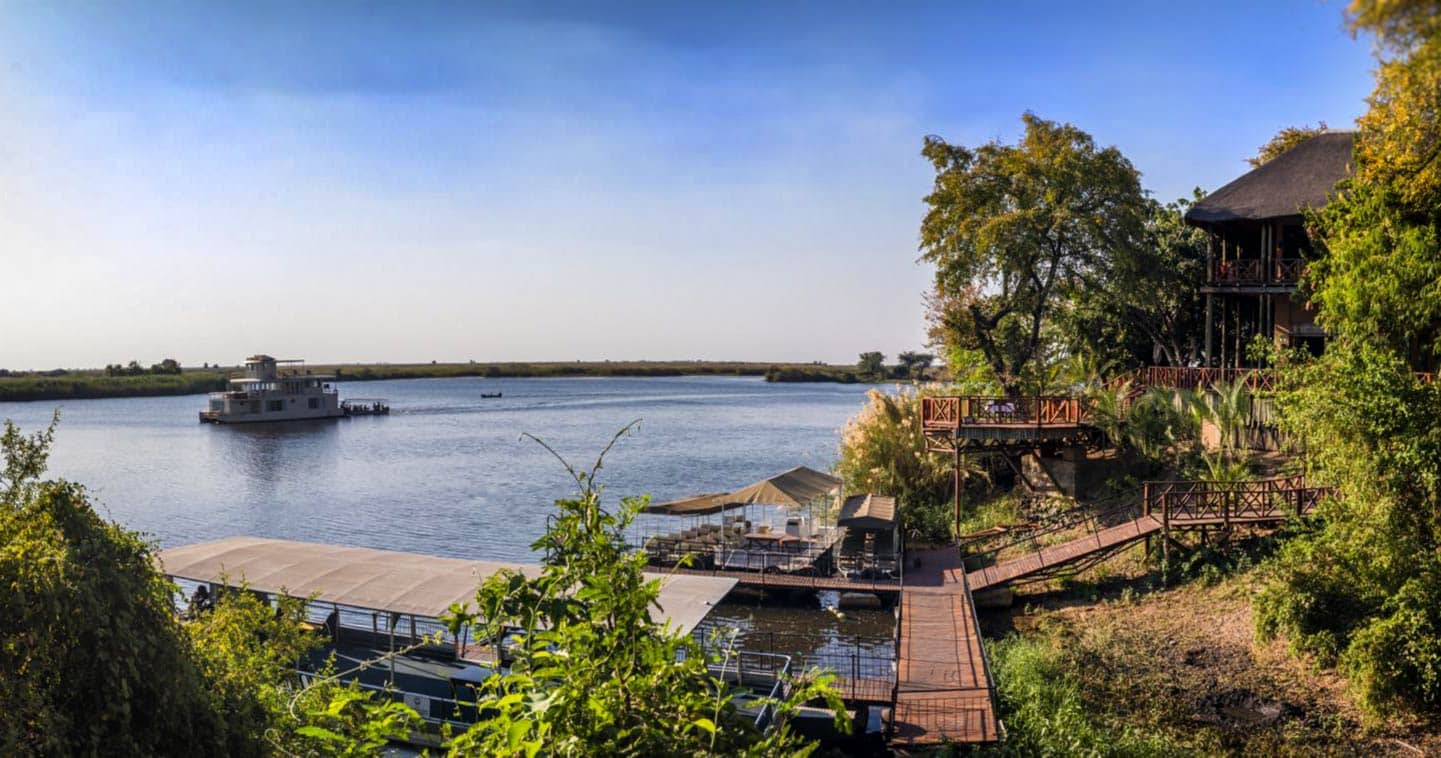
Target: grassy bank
{"points": [[1110, 663], [66, 385]]}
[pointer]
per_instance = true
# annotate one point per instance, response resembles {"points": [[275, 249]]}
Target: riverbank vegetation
{"points": [[1111, 663]]}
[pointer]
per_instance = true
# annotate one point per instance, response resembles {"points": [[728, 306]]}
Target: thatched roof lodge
{"points": [[1259, 248]]}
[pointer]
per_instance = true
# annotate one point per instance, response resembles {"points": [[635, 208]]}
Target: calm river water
{"points": [[448, 473]]}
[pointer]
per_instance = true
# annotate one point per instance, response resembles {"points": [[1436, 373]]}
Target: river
{"points": [[448, 472]]}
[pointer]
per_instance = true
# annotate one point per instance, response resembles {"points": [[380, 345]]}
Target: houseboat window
{"points": [[314, 402], [274, 405]]}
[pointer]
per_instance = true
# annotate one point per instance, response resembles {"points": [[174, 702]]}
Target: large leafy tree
{"points": [[1400, 134], [1015, 230], [1147, 308]]}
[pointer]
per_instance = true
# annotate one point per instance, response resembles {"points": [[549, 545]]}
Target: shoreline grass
{"points": [[95, 384]]}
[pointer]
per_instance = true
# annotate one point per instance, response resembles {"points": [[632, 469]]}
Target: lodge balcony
{"points": [[960, 421], [1255, 272]]}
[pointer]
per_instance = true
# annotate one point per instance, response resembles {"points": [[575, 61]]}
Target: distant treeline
{"points": [[122, 381]]}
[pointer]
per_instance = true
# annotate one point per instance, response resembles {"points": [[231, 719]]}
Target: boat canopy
{"points": [[796, 488], [388, 580], [868, 512], [698, 505]]}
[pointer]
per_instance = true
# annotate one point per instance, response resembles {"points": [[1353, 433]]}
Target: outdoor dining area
{"points": [[787, 523]]}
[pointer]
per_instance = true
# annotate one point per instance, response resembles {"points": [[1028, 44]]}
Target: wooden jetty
{"points": [[944, 690]]}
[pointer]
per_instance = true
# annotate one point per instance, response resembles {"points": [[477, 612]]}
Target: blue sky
{"points": [[494, 181]]}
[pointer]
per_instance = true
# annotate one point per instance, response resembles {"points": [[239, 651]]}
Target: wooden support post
{"points": [[1210, 305], [956, 472], [1146, 511], [1165, 539]]}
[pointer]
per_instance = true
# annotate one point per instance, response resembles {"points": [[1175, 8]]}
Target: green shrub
{"points": [[1363, 591], [1044, 710]]}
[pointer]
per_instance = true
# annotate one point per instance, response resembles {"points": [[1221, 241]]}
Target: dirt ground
{"points": [[1185, 661]]}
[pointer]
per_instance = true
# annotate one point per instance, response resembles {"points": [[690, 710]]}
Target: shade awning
{"points": [[868, 512], [388, 580], [698, 505], [794, 488]]}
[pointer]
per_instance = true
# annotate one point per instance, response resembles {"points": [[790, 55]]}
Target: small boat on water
{"points": [[266, 393], [490, 395], [365, 406]]}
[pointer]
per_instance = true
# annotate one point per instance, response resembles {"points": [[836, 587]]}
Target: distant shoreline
{"points": [[96, 384]]}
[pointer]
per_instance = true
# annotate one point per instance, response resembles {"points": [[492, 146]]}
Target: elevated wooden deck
{"points": [[943, 686], [953, 423]]}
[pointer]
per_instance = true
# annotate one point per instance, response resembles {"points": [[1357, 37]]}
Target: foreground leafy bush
{"points": [[92, 658]]}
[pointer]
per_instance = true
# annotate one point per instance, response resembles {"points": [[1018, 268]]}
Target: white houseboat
{"points": [[266, 393]]}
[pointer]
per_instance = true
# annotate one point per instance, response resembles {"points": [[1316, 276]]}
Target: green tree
{"points": [[1015, 230], [1147, 306], [1376, 282], [912, 365], [872, 365], [1360, 591], [92, 658], [1284, 140], [167, 366], [1399, 136]]}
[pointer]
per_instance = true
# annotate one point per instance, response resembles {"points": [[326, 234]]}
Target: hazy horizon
{"points": [[404, 183]]}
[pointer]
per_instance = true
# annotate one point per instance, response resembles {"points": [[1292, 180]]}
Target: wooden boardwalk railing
{"points": [[1164, 506], [953, 412]]}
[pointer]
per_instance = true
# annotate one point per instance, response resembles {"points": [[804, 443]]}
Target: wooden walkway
{"points": [[943, 688], [1167, 507], [1102, 541]]}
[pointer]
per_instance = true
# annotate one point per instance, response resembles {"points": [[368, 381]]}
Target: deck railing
{"points": [[863, 672], [1197, 378], [1287, 270], [1224, 502], [954, 412], [1255, 272]]}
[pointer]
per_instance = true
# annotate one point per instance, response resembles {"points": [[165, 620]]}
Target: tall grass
{"points": [[1045, 713]]}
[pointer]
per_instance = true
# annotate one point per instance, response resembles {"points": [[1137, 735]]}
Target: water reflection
{"points": [[264, 454]]}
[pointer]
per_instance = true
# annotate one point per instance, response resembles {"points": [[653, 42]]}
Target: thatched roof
{"points": [[1302, 177]]}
